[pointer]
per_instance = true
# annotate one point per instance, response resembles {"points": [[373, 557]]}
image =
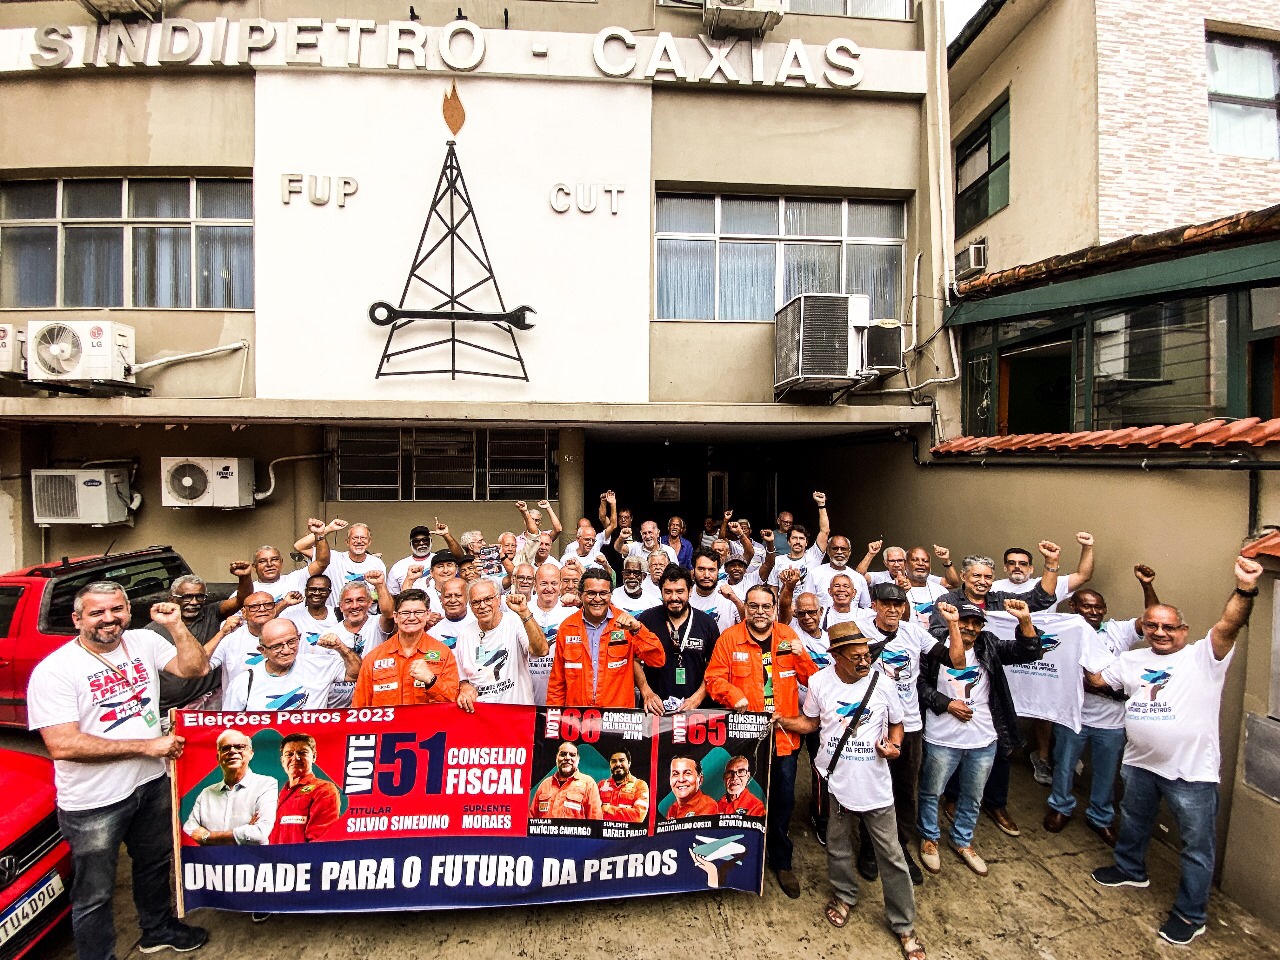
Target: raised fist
{"points": [[947, 611], [316, 528], [329, 641], [1247, 573], [375, 578], [875, 546], [819, 498], [1084, 539], [166, 614], [519, 604], [240, 568], [1050, 551], [942, 553], [293, 598], [1144, 573], [522, 506], [1017, 608]]}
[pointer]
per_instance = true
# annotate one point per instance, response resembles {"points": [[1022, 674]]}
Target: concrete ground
{"points": [[1037, 902]]}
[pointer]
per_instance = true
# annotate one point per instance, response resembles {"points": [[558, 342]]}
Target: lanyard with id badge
{"points": [[150, 717], [681, 643]]}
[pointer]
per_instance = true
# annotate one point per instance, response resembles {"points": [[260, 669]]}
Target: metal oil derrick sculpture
{"points": [[451, 280]]}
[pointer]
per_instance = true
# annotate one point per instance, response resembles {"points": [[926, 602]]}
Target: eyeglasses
{"points": [[596, 594], [191, 597], [737, 773], [1166, 627], [411, 614], [260, 606], [856, 657], [759, 608], [806, 613], [483, 601], [233, 748], [282, 643]]}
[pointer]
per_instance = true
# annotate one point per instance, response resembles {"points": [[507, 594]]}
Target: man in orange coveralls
{"points": [[758, 665], [596, 649], [308, 806], [623, 797], [567, 794], [686, 784], [737, 798]]}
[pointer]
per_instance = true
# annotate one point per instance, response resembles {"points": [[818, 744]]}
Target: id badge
{"points": [[150, 717], [680, 675]]}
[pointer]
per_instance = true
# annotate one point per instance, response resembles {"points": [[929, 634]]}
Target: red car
{"points": [[35, 862]]}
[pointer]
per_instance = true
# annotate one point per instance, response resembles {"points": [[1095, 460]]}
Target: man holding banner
{"points": [[494, 650]]}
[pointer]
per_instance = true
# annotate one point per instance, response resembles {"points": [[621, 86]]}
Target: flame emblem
{"points": [[454, 115]]}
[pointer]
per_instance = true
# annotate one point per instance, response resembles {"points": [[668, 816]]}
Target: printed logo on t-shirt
{"points": [[1049, 641], [287, 701], [846, 710], [311, 637], [448, 641], [491, 664], [963, 681], [896, 665], [1153, 681], [253, 657], [122, 710], [922, 609]]}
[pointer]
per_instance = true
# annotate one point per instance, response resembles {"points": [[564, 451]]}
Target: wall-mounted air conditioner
{"points": [[820, 343], [972, 260], [88, 351], [755, 17], [206, 482], [92, 497], [13, 353]]}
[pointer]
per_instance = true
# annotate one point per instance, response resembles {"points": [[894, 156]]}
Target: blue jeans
{"points": [[782, 803], [141, 822], [1195, 809], [972, 768], [995, 795], [1107, 747]]}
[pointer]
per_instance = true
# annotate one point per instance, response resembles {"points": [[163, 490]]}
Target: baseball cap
{"points": [[888, 592], [443, 556], [735, 560], [970, 611], [419, 532]]}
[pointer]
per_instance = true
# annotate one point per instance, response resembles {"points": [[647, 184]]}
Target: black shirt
{"points": [[689, 654], [179, 691]]}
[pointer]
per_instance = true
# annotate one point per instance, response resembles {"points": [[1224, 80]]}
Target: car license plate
{"points": [[32, 902]]}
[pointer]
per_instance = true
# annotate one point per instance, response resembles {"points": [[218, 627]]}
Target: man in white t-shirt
{"points": [[646, 547], [971, 718], [900, 642], [95, 702], [856, 766], [922, 587], [419, 555], [1172, 750], [494, 651], [457, 614], [741, 576], [1101, 716], [290, 677], [237, 650], [313, 617], [718, 602], [350, 565], [268, 565], [838, 549], [807, 623], [637, 593], [800, 555], [586, 546], [549, 613]]}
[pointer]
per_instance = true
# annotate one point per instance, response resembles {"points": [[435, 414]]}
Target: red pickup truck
{"points": [[35, 610]]}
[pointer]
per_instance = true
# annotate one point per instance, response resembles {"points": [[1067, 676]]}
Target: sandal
{"points": [[912, 949], [837, 912]]}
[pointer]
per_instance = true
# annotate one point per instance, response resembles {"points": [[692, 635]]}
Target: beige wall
{"points": [[1049, 75]]}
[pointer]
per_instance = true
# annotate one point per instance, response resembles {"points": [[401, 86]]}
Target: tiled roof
{"points": [[1210, 435], [1268, 545], [1129, 251]]}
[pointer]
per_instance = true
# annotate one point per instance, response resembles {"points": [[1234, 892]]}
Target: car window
{"points": [[145, 579], [8, 605]]}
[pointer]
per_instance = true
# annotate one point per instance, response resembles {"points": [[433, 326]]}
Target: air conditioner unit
{"points": [[79, 350], [972, 260], [93, 497], [820, 343], [13, 354], [754, 17], [206, 482]]}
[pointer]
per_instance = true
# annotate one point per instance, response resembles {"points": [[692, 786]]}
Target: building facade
{"points": [[1119, 166], [430, 266]]}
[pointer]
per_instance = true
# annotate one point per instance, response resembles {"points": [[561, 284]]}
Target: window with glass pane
{"points": [[1244, 97], [982, 171], [765, 251], [91, 199], [224, 199], [93, 267], [162, 266], [162, 199], [224, 267], [29, 200], [876, 271], [28, 266]]}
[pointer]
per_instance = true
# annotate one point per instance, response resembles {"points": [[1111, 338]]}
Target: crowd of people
{"points": [[892, 681]]}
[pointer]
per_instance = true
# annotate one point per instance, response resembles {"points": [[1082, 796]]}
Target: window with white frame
{"points": [[870, 9], [982, 171], [1244, 97], [741, 257], [407, 463], [154, 242]]}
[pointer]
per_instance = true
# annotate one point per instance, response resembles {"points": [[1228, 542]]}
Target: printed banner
{"points": [[1052, 688], [418, 808]]}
